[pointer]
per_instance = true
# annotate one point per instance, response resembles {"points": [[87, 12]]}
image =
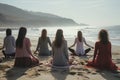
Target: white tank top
{"points": [[79, 47]]}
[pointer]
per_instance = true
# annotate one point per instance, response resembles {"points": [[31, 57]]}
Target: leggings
{"points": [[74, 53]]}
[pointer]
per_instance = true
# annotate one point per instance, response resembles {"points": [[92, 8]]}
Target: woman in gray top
{"points": [[42, 46], [60, 51], [8, 45]]}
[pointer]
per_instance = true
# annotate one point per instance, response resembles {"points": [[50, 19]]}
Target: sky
{"points": [[92, 12]]}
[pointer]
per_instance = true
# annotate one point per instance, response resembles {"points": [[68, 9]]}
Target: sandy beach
{"points": [[77, 71]]}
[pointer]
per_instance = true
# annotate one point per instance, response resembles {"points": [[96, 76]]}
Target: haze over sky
{"points": [[93, 12]]}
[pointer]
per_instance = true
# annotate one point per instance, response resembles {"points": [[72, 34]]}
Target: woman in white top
{"points": [[9, 44], [80, 41]]}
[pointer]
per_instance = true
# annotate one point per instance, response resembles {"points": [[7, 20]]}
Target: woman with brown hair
{"points": [[60, 51], [42, 46], [102, 54], [24, 56], [80, 41]]}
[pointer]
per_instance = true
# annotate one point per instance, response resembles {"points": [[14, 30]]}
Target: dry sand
{"points": [[77, 71]]}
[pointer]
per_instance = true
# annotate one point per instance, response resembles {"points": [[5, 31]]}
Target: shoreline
{"points": [[115, 48], [36, 35], [4, 28]]}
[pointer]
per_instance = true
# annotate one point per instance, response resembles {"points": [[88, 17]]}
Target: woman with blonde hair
{"points": [[79, 42]]}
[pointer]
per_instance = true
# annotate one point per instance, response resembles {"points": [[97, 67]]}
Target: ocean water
{"points": [[89, 32]]}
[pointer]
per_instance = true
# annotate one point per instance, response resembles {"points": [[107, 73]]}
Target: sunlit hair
{"points": [[59, 38], [103, 36], [79, 35], [21, 36], [44, 34], [8, 32]]}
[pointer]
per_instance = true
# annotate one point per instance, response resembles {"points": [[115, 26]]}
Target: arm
{"points": [[38, 46], [110, 51], [28, 45], [52, 49], [49, 42], [13, 41], [3, 45], [66, 50], [95, 51], [74, 43], [86, 43]]}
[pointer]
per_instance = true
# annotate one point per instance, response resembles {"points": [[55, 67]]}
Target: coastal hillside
{"points": [[10, 15]]}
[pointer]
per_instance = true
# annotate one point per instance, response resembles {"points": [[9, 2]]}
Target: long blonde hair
{"points": [[79, 36]]}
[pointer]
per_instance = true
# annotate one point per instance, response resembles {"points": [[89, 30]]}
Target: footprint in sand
{"points": [[82, 63], [34, 74], [94, 73], [80, 73], [88, 71], [72, 73], [4, 67], [40, 70]]}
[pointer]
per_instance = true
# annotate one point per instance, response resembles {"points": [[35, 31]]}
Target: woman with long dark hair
{"points": [[80, 46], [42, 46], [60, 51], [102, 54], [9, 44], [24, 57]]}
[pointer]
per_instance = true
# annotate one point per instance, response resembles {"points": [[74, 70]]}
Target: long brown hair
{"points": [[59, 38], [79, 35], [44, 34], [103, 36], [21, 36]]}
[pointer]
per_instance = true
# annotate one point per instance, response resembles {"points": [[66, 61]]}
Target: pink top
{"points": [[25, 51]]}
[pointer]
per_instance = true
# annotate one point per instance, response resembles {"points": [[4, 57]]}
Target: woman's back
{"points": [[9, 44], [60, 55], [43, 46], [104, 53], [79, 46], [104, 49], [23, 52], [44, 43]]}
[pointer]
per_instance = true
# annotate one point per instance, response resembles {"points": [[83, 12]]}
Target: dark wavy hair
{"points": [[103, 36], [59, 38], [21, 36], [44, 34], [79, 35]]}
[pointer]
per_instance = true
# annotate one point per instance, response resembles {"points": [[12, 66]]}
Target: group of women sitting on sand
{"points": [[20, 49]]}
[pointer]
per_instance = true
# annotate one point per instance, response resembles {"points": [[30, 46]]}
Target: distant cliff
{"points": [[16, 16]]}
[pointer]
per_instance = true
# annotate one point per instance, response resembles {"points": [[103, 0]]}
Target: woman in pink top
{"points": [[23, 56]]}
